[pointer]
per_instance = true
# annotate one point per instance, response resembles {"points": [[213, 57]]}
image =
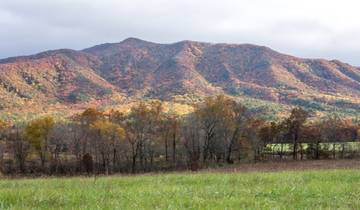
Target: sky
{"points": [[306, 28]]}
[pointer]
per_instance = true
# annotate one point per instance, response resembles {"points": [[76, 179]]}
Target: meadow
{"points": [[309, 189]]}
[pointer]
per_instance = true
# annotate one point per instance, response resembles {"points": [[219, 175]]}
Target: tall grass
{"points": [[331, 189]]}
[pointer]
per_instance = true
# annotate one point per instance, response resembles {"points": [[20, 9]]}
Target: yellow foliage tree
{"points": [[89, 116], [108, 129], [37, 133], [3, 128], [218, 115], [3, 125], [109, 135]]}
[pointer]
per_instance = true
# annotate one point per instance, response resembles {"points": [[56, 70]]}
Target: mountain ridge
{"points": [[134, 69]]}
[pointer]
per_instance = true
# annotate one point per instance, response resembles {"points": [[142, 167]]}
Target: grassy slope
{"points": [[327, 189]]}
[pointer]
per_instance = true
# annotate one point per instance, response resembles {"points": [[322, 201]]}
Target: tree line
{"points": [[220, 131]]}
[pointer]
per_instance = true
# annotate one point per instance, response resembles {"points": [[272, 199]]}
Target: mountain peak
{"points": [[135, 41]]}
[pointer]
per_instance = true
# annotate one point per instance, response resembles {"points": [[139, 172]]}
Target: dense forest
{"points": [[220, 131]]}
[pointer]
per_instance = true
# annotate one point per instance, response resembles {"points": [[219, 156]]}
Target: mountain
{"points": [[114, 74]]}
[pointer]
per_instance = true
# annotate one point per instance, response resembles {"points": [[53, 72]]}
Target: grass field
{"points": [[322, 189]]}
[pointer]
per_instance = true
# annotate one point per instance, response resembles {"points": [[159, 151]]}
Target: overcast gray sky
{"points": [[306, 28]]}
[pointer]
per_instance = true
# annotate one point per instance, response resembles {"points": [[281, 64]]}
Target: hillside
{"points": [[184, 72]]}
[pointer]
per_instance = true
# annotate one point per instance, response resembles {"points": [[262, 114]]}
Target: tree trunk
{"points": [[317, 155], [133, 164], [174, 150], [281, 150], [114, 160], [134, 154], [232, 141], [141, 155], [295, 147], [42, 159], [166, 149]]}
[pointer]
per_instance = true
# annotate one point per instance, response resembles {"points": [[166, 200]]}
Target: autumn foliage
{"points": [[219, 131]]}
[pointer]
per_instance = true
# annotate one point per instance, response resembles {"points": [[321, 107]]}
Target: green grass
{"points": [[348, 146], [331, 189]]}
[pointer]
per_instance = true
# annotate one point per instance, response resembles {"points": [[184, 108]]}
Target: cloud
{"points": [[304, 28]]}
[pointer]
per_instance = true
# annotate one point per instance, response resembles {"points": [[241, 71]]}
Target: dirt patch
{"points": [[290, 166]]}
